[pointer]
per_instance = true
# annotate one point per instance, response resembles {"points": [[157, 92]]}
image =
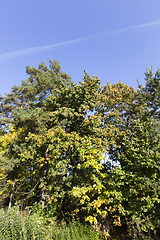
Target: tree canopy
{"points": [[88, 150]]}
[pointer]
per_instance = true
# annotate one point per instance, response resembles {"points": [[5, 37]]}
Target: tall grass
{"points": [[15, 225]]}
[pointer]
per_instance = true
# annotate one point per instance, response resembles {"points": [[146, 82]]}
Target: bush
{"points": [[74, 231], [15, 225]]}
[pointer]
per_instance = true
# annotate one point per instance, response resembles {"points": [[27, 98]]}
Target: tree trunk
{"points": [[11, 195], [45, 168]]}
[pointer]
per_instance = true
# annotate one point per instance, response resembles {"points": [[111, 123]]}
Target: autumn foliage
{"points": [[86, 150]]}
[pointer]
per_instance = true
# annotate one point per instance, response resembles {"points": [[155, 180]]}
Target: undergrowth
{"points": [[17, 225]]}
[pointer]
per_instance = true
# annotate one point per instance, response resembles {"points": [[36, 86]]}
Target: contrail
{"points": [[40, 48], [135, 27]]}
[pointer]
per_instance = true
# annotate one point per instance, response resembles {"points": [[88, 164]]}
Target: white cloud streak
{"points": [[135, 27], [26, 51], [40, 48]]}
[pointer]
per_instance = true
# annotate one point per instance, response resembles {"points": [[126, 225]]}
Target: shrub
{"points": [[29, 225]]}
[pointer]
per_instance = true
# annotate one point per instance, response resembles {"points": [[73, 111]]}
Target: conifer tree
{"points": [[23, 108], [30, 94], [53, 152], [150, 94]]}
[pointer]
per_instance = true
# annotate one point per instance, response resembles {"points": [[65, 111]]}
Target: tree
{"points": [[150, 94], [64, 112], [24, 107], [128, 190], [60, 133], [32, 91]]}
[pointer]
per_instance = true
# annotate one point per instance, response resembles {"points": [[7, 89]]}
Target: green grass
{"points": [[15, 225]]}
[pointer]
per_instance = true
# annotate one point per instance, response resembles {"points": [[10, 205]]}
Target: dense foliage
{"points": [[85, 150], [31, 225]]}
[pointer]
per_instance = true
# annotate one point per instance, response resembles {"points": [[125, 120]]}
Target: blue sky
{"points": [[112, 39]]}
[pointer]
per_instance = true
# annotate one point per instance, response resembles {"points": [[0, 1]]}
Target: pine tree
{"points": [[30, 94], [23, 107]]}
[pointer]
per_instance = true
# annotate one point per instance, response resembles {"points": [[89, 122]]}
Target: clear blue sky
{"points": [[112, 39]]}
